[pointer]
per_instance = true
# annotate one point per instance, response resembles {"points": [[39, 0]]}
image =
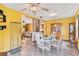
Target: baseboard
{"points": [[3, 53]]}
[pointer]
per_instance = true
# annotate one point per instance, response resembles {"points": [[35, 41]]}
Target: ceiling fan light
{"points": [[34, 8]]}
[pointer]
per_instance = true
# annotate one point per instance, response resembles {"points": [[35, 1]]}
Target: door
{"points": [[72, 32], [15, 35]]}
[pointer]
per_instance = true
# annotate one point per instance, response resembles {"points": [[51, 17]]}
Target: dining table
{"points": [[52, 40]]}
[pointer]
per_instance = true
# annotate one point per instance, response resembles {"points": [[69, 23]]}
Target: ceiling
{"points": [[62, 10]]}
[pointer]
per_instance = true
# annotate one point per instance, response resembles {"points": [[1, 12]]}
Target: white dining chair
{"points": [[33, 36], [42, 44], [58, 45]]}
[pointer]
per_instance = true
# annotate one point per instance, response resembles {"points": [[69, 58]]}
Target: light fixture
{"points": [[26, 4], [33, 8], [37, 7]]}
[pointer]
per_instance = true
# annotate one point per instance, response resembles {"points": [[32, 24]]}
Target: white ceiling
{"points": [[62, 10]]}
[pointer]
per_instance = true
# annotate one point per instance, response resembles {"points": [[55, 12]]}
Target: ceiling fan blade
{"points": [[38, 3], [45, 9], [24, 9]]}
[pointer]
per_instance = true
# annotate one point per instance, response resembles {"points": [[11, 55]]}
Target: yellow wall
{"points": [[65, 25], [12, 16]]}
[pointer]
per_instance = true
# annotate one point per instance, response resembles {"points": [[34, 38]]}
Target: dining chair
{"points": [[58, 45], [33, 36], [42, 44]]}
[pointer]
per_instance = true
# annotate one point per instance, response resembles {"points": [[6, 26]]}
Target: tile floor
{"points": [[29, 49]]}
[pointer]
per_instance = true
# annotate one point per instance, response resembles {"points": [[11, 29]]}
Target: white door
{"points": [[15, 35]]}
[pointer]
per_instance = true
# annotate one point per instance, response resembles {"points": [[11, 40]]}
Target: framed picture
{"points": [[2, 27], [1, 12], [2, 16]]}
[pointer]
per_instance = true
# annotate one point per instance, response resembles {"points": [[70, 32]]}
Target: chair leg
{"points": [[43, 52], [61, 51], [37, 50], [58, 50]]}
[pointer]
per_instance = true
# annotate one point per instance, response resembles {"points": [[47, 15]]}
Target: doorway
{"points": [[72, 32], [56, 27]]}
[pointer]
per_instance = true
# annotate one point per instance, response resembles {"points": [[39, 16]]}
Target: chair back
{"points": [[39, 41], [60, 40], [42, 43], [33, 36]]}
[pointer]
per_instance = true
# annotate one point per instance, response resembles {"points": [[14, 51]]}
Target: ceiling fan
{"points": [[34, 6]]}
